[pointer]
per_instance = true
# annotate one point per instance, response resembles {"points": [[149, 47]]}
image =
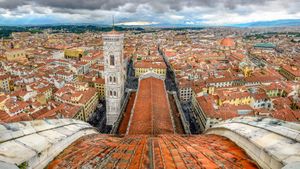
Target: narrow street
{"points": [[257, 61], [170, 77], [189, 115], [98, 118], [132, 81], [187, 107]]}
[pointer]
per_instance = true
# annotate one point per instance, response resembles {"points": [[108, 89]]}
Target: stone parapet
{"points": [[36, 143]]}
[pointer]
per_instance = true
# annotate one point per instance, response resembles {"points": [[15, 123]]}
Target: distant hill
{"points": [[276, 23]]}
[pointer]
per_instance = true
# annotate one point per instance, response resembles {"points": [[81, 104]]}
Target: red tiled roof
{"points": [[286, 114], [149, 64], [292, 69], [4, 117], [228, 42], [151, 109], [3, 77], [63, 110], [163, 151], [112, 33], [124, 123]]}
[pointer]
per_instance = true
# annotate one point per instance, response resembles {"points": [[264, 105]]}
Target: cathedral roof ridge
{"points": [[113, 32]]}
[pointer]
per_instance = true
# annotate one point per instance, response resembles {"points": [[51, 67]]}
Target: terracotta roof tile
{"points": [[151, 111], [125, 120], [162, 151]]}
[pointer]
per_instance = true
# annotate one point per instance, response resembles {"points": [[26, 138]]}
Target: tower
{"points": [[114, 74]]}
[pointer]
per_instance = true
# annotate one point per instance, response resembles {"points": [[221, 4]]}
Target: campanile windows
{"points": [[112, 60]]}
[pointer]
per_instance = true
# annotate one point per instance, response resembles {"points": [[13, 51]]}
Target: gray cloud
{"points": [[11, 4], [152, 10], [158, 5], [79, 4]]}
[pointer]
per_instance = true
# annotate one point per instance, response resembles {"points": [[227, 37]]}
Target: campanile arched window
{"points": [[112, 60]]}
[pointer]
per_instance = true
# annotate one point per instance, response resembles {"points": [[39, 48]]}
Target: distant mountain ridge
{"points": [[276, 23]]}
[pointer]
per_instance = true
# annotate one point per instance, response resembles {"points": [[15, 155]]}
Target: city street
{"points": [[187, 107]]}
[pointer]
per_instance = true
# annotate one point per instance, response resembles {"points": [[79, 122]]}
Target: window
{"points": [[115, 93], [110, 93], [112, 60], [110, 79], [115, 80]]}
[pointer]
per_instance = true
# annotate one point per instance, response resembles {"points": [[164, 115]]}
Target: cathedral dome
{"points": [[145, 151], [227, 42], [243, 142]]}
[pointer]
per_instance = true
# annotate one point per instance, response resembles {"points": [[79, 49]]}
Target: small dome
{"points": [[228, 42]]}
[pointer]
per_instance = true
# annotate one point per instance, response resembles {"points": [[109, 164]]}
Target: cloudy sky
{"points": [[143, 12]]}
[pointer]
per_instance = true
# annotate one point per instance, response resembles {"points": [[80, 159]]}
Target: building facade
{"points": [[290, 72], [81, 95], [114, 74], [142, 67], [74, 53], [4, 83], [18, 55]]}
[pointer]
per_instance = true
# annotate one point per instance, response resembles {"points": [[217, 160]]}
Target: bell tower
{"points": [[114, 74]]}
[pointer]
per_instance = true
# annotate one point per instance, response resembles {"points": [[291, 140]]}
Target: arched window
{"points": [[110, 93], [115, 80], [115, 93], [112, 60], [110, 79]]}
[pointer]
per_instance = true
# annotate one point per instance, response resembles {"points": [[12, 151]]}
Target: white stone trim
{"points": [[272, 143]]}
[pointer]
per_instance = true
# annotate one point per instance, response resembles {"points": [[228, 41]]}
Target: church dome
{"points": [[243, 142], [144, 151], [227, 42]]}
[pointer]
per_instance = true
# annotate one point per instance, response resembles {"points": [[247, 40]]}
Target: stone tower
{"points": [[114, 74]]}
